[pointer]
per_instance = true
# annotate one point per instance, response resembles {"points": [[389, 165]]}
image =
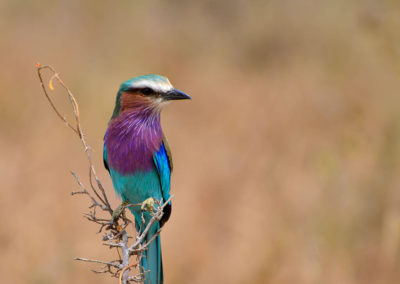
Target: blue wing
{"points": [[105, 162], [164, 171], [163, 162]]}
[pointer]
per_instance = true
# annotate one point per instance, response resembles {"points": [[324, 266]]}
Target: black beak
{"points": [[175, 94]]}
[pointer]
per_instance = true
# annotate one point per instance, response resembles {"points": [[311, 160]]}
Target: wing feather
{"points": [[105, 161], [168, 151], [163, 162]]}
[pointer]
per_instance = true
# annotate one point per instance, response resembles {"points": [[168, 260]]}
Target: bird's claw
{"points": [[148, 205], [117, 212]]}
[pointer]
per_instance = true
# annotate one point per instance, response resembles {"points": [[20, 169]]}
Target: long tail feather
{"points": [[152, 261]]}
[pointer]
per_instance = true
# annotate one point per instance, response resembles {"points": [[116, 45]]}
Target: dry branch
{"points": [[116, 228]]}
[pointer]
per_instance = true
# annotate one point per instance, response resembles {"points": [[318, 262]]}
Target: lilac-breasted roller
{"points": [[137, 155]]}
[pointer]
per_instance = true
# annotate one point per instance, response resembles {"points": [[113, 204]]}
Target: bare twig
{"points": [[123, 271], [77, 128], [114, 264], [125, 257], [156, 217]]}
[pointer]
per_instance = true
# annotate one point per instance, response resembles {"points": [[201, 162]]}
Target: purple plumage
{"points": [[132, 139]]}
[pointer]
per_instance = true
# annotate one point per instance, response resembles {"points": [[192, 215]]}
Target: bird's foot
{"points": [[148, 205], [117, 212]]}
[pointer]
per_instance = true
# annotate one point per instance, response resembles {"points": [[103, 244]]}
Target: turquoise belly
{"points": [[135, 188]]}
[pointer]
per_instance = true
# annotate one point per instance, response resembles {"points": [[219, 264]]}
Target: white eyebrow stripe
{"points": [[159, 86]]}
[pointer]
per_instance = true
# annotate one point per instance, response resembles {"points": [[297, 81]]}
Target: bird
{"points": [[138, 158]]}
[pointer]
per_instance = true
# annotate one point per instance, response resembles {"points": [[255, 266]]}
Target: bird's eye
{"points": [[146, 91]]}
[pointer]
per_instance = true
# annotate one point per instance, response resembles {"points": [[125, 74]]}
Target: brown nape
{"points": [[133, 100]]}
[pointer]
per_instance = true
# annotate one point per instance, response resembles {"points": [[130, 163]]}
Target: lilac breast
{"points": [[131, 141]]}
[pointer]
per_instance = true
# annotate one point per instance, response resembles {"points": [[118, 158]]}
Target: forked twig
{"points": [[77, 128], [126, 268]]}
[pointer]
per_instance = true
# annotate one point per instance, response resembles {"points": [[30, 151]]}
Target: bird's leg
{"points": [[148, 205], [117, 212]]}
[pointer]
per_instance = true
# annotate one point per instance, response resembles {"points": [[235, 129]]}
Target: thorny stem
{"points": [[125, 258], [114, 264], [123, 277], [77, 129]]}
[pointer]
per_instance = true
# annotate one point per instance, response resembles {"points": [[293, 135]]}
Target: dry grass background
{"points": [[286, 159]]}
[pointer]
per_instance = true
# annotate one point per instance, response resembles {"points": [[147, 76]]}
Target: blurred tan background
{"points": [[286, 160]]}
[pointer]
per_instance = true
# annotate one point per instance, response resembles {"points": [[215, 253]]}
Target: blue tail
{"points": [[152, 260]]}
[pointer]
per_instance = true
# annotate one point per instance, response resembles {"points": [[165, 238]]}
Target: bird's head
{"points": [[147, 92]]}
